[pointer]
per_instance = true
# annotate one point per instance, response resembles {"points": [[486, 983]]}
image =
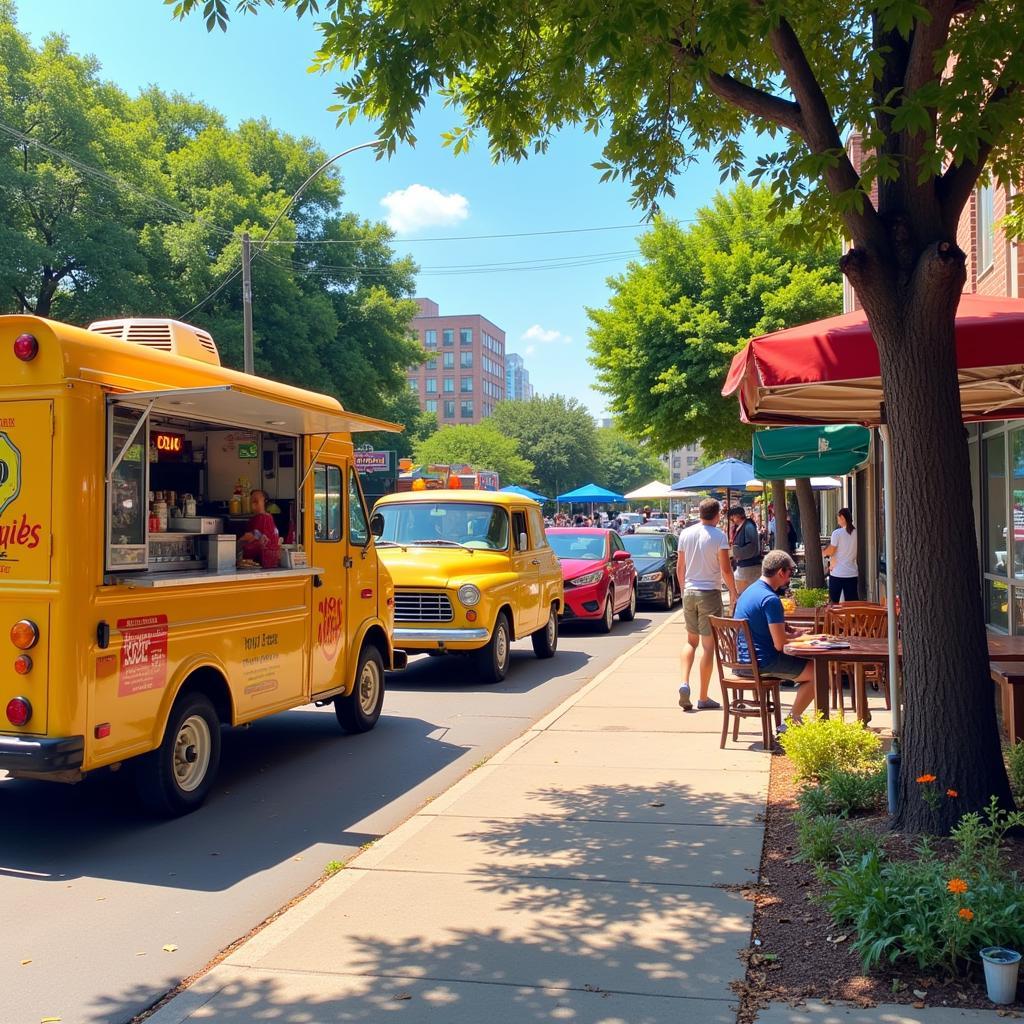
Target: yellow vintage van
{"points": [[182, 547], [473, 571]]}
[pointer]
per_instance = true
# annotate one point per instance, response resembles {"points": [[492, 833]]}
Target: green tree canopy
{"points": [[623, 464], [115, 205], [557, 435], [675, 318], [482, 446]]}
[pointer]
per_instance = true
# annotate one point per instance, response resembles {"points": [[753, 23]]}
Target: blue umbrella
{"points": [[525, 492], [729, 474], [592, 493]]}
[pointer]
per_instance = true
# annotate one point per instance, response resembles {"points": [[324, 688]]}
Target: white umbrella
{"points": [[818, 483], [653, 490]]}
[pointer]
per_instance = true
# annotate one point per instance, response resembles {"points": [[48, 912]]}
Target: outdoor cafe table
{"points": [[870, 650]]}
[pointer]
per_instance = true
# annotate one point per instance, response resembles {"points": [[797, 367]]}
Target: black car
{"points": [[654, 555]]}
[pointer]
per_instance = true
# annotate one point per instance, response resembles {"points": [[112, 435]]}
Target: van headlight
{"points": [[469, 594]]}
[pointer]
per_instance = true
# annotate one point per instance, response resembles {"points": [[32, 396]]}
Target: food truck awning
{"points": [[226, 404]]}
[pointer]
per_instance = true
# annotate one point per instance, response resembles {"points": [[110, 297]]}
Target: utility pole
{"points": [[248, 363]]}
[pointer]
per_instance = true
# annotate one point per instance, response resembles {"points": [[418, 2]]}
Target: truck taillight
{"points": [[26, 348], [24, 634], [19, 711], [23, 664]]}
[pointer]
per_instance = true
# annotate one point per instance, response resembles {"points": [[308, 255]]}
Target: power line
{"points": [[216, 291], [458, 238]]}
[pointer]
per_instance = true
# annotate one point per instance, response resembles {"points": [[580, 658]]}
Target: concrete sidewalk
{"points": [[583, 874], [575, 876]]}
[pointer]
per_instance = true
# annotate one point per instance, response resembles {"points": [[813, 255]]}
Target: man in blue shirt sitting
{"points": [[760, 605]]}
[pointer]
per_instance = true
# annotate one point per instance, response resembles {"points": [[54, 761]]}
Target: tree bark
{"points": [[949, 726], [815, 570], [781, 542]]}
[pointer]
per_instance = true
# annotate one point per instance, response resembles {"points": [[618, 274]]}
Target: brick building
{"points": [[463, 378]]}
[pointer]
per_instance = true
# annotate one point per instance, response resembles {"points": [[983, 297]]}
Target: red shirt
{"points": [[264, 530]]}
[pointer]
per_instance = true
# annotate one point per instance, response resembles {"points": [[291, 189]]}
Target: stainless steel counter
{"points": [[196, 579]]}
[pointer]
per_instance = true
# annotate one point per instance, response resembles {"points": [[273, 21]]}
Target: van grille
{"points": [[422, 606]]}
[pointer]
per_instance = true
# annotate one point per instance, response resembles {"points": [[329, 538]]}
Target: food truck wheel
{"points": [[545, 641], [359, 711], [492, 661], [176, 777]]}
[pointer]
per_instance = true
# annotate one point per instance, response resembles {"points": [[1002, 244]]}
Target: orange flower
{"points": [[956, 885], [952, 793], [966, 914], [925, 778]]}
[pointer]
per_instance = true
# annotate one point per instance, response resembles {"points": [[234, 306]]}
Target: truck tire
{"points": [[491, 662], [359, 711], [175, 778], [545, 641]]}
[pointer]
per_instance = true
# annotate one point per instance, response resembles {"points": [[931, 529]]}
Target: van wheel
{"points": [[545, 641], [491, 662], [176, 777], [607, 620], [359, 711], [628, 614]]}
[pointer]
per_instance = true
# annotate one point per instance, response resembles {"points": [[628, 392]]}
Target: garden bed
{"points": [[798, 953]]}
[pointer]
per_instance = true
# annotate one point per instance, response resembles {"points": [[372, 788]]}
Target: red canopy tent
{"points": [[828, 372]]}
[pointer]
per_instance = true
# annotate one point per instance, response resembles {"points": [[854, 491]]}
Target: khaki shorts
{"points": [[747, 573], [697, 606]]}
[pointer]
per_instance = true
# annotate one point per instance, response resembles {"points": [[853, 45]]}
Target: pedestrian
{"points": [[841, 552], [761, 607], [702, 566], [746, 548]]}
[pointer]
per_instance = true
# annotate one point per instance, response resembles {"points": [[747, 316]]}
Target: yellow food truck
{"points": [[182, 547]]}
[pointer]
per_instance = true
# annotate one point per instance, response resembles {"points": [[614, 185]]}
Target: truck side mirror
{"points": [[376, 524]]}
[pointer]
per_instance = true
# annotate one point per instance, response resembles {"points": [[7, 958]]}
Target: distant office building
{"points": [[463, 378], [607, 422], [517, 379], [681, 463]]}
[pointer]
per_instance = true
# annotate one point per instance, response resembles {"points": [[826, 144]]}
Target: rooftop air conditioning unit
{"points": [[162, 335]]}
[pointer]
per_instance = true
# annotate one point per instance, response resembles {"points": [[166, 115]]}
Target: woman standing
{"points": [[841, 552]]}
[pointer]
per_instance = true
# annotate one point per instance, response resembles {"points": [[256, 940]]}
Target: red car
{"points": [[599, 575]]}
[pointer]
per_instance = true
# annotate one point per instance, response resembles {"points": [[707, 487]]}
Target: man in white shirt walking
{"points": [[702, 566]]}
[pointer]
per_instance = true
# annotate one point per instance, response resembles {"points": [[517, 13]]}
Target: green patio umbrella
{"points": [[832, 450]]}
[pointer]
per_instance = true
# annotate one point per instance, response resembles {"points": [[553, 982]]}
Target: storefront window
{"points": [[1018, 610], [997, 601], [1017, 500], [996, 542]]}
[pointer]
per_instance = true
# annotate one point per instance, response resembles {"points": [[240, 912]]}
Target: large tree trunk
{"points": [[815, 570], [949, 728], [781, 515]]}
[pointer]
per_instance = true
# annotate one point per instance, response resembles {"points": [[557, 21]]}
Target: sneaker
{"points": [[684, 697], [707, 705], [781, 729]]}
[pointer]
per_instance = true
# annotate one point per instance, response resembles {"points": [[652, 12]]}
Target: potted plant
{"points": [[810, 597]]}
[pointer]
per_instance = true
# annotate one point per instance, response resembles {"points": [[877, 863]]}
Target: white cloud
{"points": [[530, 349], [410, 209], [545, 336]]}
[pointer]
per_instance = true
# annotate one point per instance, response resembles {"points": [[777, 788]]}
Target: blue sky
{"points": [[258, 68]]}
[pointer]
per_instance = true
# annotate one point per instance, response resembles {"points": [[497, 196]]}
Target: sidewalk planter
{"points": [[1001, 966]]}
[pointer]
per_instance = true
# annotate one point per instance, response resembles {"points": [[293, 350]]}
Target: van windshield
{"points": [[445, 522]]}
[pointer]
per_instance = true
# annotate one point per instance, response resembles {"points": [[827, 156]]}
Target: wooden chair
{"points": [[747, 696], [857, 618]]}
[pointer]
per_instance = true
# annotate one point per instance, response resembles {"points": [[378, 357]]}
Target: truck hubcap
{"points": [[369, 688], [192, 748]]}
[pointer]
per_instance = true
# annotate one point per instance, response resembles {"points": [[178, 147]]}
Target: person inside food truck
{"points": [[261, 541]]}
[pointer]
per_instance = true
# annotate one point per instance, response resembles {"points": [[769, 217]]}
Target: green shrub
{"points": [[810, 597], [829, 838], [1015, 769], [855, 792], [820, 744], [816, 801]]}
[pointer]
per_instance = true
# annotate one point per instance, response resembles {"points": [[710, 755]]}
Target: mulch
{"points": [[796, 951]]}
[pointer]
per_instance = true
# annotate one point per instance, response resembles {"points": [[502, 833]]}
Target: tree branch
{"points": [[926, 39], [756, 102], [956, 185], [820, 132], [25, 304]]}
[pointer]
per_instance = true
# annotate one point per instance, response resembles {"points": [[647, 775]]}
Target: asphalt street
{"points": [[105, 909]]}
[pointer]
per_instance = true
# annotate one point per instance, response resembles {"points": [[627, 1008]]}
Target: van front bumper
{"points": [[430, 635], [41, 753]]}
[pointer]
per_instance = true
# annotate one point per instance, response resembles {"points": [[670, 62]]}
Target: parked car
{"points": [[473, 571], [598, 574], [655, 556]]}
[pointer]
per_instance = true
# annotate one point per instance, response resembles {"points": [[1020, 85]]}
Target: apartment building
{"points": [[463, 378], [682, 462], [517, 379]]}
